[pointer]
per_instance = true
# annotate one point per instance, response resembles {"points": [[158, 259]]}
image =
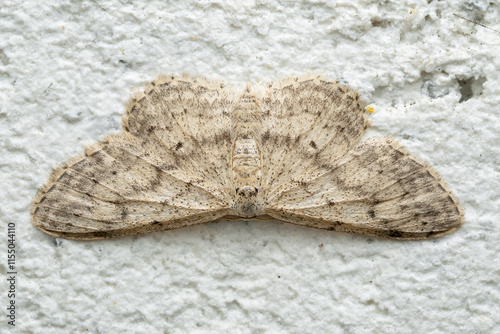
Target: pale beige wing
{"points": [[377, 189], [308, 124], [168, 169], [117, 190], [187, 123]]}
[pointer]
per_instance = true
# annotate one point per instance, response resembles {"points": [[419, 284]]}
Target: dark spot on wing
{"points": [[124, 212], [395, 234], [42, 199], [220, 138], [328, 167], [168, 167], [266, 135]]}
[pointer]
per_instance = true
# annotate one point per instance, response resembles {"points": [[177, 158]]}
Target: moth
{"points": [[193, 151]]}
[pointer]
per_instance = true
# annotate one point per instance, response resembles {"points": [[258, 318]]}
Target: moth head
{"points": [[247, 191]]}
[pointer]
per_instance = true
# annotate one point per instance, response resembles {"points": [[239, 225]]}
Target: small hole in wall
{"points": [[57, 242], [471, 87], [432, 85]]}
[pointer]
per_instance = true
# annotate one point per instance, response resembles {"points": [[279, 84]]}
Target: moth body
{"points": [[246, 157]]}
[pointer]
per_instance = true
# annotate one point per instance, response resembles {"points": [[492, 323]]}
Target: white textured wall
{"points": [[67, 68]]}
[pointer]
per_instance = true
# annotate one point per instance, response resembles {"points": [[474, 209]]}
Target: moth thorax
{"points": [[248, 202]]}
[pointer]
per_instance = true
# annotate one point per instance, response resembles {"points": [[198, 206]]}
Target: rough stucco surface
{"points": [[67, 70]]}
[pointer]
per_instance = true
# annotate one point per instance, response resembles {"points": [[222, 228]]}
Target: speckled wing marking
{"points": [[168, 169], [377, 189], [186, 122], [309, 124]]}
